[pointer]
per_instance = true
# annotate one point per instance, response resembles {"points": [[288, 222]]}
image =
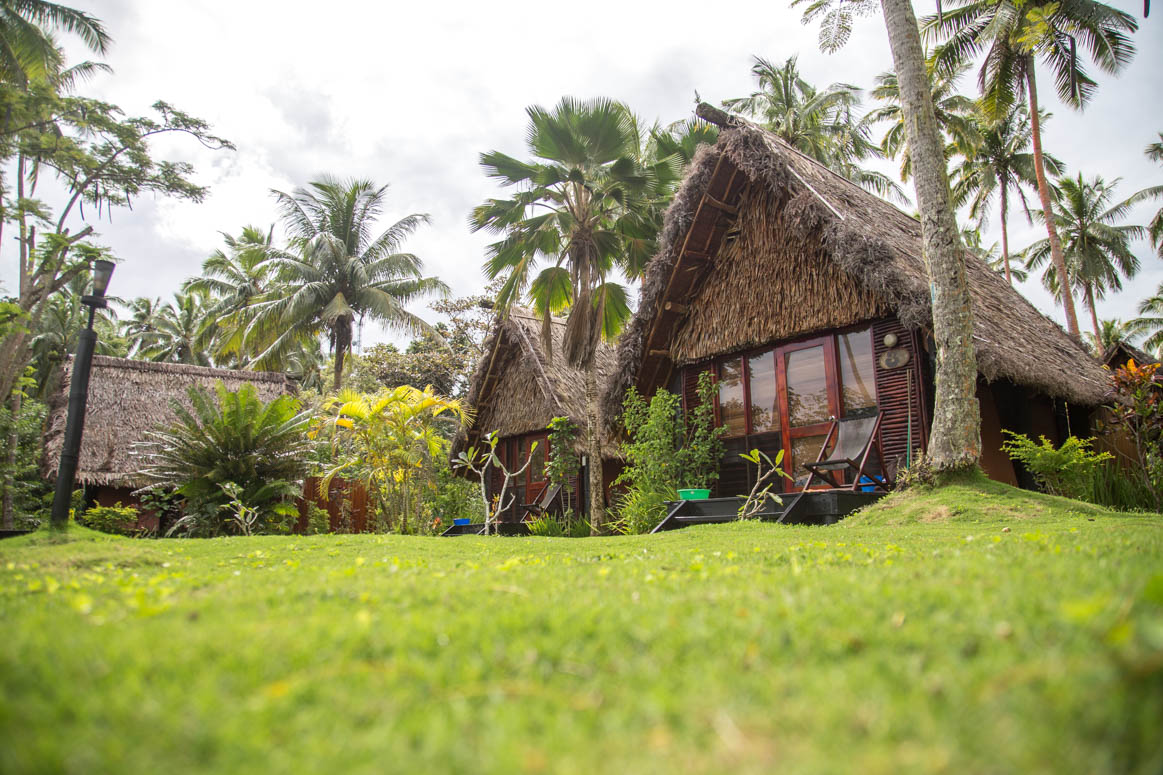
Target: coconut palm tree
{"points": [[575, 210], [1149, 324], [821, 124], [1111, 333], [1098, 252], [337, 271], [141, 323], [27, 49], [232, 280], [1012, 35], [1155, 227], [955, 440], [1000, 164], [992, 256], [954, 114], [177, 332]]}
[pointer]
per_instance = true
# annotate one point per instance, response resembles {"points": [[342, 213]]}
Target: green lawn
{"points": [[980, 630]]}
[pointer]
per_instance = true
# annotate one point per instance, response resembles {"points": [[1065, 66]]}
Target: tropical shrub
{"points": [[395, 443], [667, 450], [116, 520], [1137, 413], [479, 460], [1068, 470], [238, 461], [563, 464]]}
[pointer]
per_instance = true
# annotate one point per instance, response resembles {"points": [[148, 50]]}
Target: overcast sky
{"points": [[411, 94]]}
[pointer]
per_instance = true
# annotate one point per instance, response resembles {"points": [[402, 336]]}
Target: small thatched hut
{"points": [[127, 399], [516, 390], [808, 298]]}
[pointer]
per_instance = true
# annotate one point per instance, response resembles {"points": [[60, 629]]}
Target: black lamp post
{"points": [[78, 396]]}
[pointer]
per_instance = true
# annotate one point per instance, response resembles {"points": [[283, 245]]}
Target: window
{"points": [[857, 371], [731, 413], [807, 387], [764, 399]]}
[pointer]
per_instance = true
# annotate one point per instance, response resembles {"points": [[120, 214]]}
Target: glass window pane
{"points": [[537, 467], [807, 387], [764, 406], [731, 397], [857, 370], [805, 450]]}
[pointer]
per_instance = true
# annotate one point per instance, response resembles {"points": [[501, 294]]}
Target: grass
{"points": [[975, 629]]}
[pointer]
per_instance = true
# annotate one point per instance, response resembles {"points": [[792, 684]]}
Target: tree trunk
{"points": [[1005, 237], [1056, 254], [1094, 317], [594, 448], [342, 346], [8, 519], [955, 443]]}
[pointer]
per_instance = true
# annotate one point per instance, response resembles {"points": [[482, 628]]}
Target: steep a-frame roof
{"points": [[871, 248]]}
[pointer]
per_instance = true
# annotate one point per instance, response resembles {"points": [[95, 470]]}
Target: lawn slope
{"points": [[977, 629]]}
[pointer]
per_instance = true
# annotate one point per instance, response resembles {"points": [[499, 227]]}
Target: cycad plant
{"points": [[230, 447]]}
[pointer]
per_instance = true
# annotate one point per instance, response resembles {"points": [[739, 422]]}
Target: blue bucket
{"points": [[461, 521], [868, 484]]}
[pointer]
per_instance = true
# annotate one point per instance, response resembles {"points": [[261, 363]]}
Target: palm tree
{"points": [[232, 280], [1111, 333], [954, 114], [819, 124], [1150, 321], [992, 256], [177, 330], [955, 439], [1012, 34], [336, 272], [27, 50], [141, 323], [576, 209], [1155, 227], [998, 165], [58, 330], [1098, 252]]}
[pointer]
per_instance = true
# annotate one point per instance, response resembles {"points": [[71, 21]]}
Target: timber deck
{"points": [[817, 507]]}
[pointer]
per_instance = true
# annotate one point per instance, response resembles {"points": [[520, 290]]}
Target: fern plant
{"points": [[230, 448]]}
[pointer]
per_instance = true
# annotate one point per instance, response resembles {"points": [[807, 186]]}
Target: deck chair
{"points": [[542, 504], [856, 439]]}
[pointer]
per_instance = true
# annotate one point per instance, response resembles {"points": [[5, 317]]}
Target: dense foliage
{"points": [[667, 450]]}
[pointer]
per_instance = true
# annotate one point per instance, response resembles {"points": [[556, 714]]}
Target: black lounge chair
{"points": [[856, 438], [542, 504]]}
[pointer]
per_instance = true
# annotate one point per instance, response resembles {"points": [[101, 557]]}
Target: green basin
{"points": [[694, 495]]}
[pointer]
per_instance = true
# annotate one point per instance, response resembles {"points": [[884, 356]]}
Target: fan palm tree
{"points": [[177, 331], [576, 209], [1012, 35], [337, 271], [1098, 252], [954, 114], [818, 123], [1000, 164], [27, 49], [232, 280]]}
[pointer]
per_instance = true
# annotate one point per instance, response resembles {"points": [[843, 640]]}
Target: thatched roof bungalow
{"points": [[518, 387], [808, 297], [127, 399]]}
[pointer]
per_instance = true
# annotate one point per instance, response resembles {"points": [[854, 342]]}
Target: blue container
{"points": [[461, 521], [868, 484]]}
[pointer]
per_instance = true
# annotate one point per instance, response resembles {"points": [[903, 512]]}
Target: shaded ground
{"points": [[920, 636]]}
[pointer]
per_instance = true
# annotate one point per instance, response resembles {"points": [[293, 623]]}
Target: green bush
{"points": [[667, 451], [1118, 488], [1069, 470], [115, 520], [318, 520], [236, 459]]}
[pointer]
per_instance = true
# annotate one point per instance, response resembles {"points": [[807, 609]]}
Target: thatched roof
{"points": [[518, 388], [872, 248], [127, 399]]}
